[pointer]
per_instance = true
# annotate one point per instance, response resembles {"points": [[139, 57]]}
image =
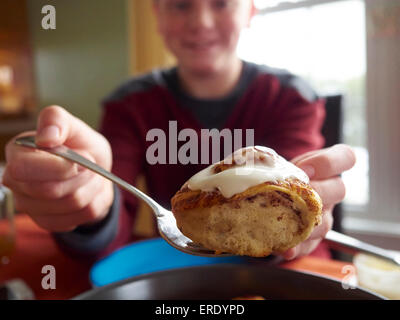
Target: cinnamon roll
{"points": [[252, 203]]}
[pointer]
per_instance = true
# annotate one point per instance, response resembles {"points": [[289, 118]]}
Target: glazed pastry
{"points": [[252, 203]]}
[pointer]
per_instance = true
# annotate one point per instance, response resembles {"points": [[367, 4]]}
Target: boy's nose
{"points": [[203, 18]]}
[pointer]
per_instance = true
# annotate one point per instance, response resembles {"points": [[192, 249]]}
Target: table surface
{"points": [[35, 248]]}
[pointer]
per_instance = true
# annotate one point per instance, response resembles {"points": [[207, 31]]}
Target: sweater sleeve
{"points": [[300, 122]]}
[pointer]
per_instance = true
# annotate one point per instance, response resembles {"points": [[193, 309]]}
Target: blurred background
{"points": [[342, 47]]}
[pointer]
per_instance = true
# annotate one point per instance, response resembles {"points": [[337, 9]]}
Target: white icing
{"points": [[254, 165]]}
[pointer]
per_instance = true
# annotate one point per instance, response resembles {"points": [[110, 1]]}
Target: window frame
{"points": [[286, 5]]}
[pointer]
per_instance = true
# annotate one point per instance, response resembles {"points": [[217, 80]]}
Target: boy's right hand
{"points": [[57, 194]]}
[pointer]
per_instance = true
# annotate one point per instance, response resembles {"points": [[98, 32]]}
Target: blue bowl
{"points": [[146, 257]]}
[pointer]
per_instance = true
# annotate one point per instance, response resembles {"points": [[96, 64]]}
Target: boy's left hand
{"points": [[324, 168]]}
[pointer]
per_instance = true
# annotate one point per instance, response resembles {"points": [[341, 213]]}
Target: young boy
{"points": [[210, 88]]}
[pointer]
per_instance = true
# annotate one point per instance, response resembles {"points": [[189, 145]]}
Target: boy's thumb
{"points": [[49, 127]]}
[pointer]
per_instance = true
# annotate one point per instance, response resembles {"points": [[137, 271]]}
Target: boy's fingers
{"points": [[45, 190], [306, 155], [70, 203], [69, 221], [329, 163], [32, 165], [313, 240], [331, 191], [321, 230]]}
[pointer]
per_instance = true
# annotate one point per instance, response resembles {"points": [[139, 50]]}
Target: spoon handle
{"points": [[345, 243], [64, 152]]}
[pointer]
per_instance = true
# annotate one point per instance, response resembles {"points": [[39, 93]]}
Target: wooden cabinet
{"points": [[16, 67], [17, 98]]}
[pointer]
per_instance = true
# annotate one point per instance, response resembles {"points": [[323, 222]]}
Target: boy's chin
{"points": [[205, 68]]}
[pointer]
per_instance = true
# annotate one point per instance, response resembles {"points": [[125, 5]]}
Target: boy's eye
{"points": [[180, 5], [222, 4]]}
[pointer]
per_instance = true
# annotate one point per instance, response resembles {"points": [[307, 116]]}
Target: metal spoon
{"points": [[167, 224], [165, 219], [351, 245]]}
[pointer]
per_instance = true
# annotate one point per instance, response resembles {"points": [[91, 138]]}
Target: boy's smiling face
{"points": [[203, 34]]}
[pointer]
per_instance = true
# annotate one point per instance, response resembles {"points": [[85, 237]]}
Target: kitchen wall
{"points": [[84, 58]]}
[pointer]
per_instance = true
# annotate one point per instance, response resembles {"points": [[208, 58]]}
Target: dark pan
{"points": [[225, 282]]}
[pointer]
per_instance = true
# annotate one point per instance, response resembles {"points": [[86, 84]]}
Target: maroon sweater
{"points": [[284, 112]]}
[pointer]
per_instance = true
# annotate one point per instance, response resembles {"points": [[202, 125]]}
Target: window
{"points": [[324, 42]]}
